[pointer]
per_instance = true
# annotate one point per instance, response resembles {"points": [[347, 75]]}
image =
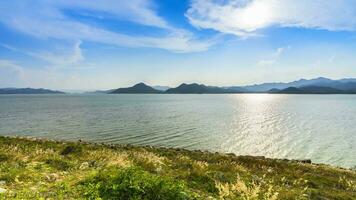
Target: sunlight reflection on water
{"points": [[319, 127]]}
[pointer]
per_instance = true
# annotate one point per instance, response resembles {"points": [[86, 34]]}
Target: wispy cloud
{"points": [[244, 17], [68, 56], [10, 73], [72, 57], [13, 74], [47, 19], [138, 11], [10, 65], [9, 47], [274, 57]]}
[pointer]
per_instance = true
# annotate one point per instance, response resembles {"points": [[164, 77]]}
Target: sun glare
{"points": [[259, 97], [256, 15]]}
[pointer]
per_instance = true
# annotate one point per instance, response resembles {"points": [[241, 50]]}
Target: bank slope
{"points": [[36, 169]]}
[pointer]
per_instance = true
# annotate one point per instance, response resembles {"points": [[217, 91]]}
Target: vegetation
{"points": [[42, 169]]}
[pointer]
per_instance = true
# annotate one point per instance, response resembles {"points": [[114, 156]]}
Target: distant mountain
{"points": [[322, 90], [290, 90], [237, 89], [139, 88], [28, 91], [319, 85], [342, 84], [160, 88], [348, 80], [73, 91], [274, 90], [310, 90], [100, 91], [199, 89]]}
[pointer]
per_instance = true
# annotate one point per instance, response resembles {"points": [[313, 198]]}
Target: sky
{"points": [[92, 45]]}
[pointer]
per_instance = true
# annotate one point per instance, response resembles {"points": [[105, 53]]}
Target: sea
{"points": [[317, 127]]}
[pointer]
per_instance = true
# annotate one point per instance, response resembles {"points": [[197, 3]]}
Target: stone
{"points": [[2, 190]]}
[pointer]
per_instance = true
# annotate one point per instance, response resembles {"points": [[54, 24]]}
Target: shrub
{"points": [[3, 157], [70, 150], [58, 164], [132, 183]]}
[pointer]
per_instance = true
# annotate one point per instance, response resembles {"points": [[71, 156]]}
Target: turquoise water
{"points": [[317, 127]]}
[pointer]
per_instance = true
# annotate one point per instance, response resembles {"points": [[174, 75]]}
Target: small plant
{"points": [[58, 164], [243, 190], [3, 157], [40, 169], [133, 183], [71, 149]]}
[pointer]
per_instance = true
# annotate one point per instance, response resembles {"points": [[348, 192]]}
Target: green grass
{"points": [[42, 169]]}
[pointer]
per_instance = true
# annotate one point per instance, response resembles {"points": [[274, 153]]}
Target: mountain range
{"points": [[138, 88], [342, 84], [319, 85], [28, 91], [195, 88], [311, 90]]}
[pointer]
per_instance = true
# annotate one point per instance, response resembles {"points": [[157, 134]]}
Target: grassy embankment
{"points": [[41, 169]]}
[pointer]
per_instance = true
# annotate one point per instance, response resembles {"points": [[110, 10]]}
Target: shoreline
{"points": [[118, 145], [33, 168]]}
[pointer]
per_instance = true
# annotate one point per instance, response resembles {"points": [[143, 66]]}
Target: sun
{"points": [[255, 16]]}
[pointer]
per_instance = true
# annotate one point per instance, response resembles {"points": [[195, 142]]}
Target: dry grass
{"points": [[40, 169]]}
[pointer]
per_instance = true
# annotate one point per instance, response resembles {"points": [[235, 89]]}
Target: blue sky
{"points": [[106, 44]]}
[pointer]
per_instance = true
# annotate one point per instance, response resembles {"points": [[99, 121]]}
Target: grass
{"points": [[42, 169]]}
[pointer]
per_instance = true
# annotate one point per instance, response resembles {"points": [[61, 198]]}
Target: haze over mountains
{"points": [[319, 85]]}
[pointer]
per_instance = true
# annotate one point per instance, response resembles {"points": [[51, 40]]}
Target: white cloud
{"points": [[273, 59], [47, 19], [244, 17]]}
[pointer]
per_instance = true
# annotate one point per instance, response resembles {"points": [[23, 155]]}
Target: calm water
{"points": [[319, 127]]}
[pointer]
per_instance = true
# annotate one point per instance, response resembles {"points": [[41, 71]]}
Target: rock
{"points": [[2, 190], [231, 154], [70, 149], [305, 161], [260, 157], [52, 177], [84, 165]]}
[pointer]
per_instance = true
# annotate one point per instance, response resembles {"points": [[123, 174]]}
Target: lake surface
{"points": [[318, 127]]}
